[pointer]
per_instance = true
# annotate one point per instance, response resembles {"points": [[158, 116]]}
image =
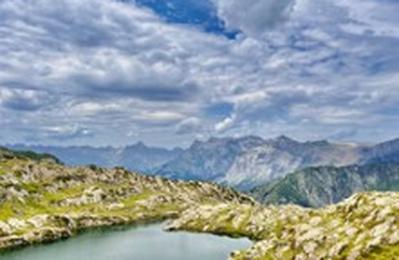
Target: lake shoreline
{"points": [[64, 234], [133, 242]]}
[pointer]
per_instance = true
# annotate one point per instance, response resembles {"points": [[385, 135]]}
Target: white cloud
{"points": [[189, 126], [159, 116], [254, 17], [372, 17], [225, 124], [119, 67], [64, 133]]}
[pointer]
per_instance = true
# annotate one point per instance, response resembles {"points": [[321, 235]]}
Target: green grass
{"points": [[383, 253], [54, 197], [6, 210]]}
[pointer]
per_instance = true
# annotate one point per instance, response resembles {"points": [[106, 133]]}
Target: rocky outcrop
{"points": [[42, 201], [365, 226]]}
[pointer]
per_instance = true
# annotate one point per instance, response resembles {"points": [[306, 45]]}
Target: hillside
{"points": [[319, 186], [6, 153], [381, 153], [42, 201], [365, 226]]}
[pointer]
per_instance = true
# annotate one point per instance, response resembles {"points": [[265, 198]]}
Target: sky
{"points": [[166, 72]]}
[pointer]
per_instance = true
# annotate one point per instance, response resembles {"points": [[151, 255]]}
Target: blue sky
{"points": [[166, 72]]}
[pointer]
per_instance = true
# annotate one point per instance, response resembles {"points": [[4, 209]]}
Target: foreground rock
{"points": [[42, 201], [365, 226]]}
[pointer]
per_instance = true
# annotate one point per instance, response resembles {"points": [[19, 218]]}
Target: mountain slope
{"points": [[319, 186], [138, 157], [249, 161], [42, 201], [208, 160], [381, 153], [278, 157], [6, 153]]}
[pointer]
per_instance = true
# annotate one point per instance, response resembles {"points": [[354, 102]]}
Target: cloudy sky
{"points": [[108, 72]]}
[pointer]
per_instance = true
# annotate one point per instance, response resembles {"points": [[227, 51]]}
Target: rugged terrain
{"points": [[250, 161], [42, 200], [243, 163], [320, 186], [365, 226], [278, 157]]}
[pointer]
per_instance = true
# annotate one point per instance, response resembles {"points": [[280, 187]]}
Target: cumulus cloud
{"points": [[225, 124], [254, 17], [119, 68]]}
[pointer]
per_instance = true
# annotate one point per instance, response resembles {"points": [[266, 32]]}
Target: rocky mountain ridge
{"points": [[324, 185], [208, 161], [278, 157], [259, 161], [243, 163]]}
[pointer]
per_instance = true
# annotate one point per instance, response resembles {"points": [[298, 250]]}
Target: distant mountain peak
{"points": [[283, 141], [319, 142], [140, 144], [284, 138]]}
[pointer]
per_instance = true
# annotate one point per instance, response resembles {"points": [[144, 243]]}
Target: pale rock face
{"points": [[260, 165], [16, 223], [38, 221], [5, 229], [208, 161], [278, 157]]}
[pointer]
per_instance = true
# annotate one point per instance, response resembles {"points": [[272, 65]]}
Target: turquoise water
{"points": [[141, 243]]}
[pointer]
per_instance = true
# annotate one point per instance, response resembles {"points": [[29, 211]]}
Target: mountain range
{"points": [[137, 157], [248, 162], [243, 163]]}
